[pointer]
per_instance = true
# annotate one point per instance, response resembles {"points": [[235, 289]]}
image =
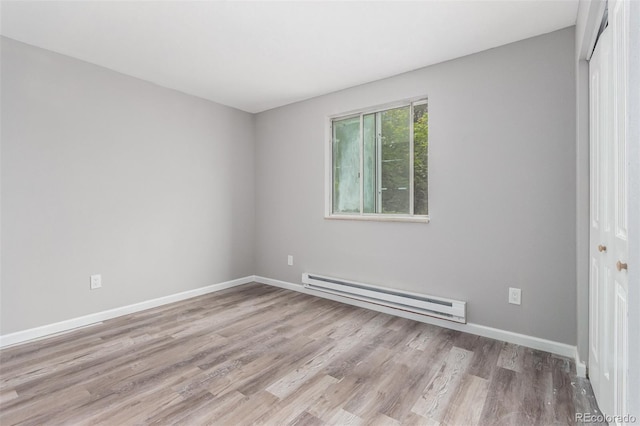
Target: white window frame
{"points": [[382, 217]]}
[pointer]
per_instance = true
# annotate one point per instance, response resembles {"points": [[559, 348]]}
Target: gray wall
{"points": [[502, 189], [104, 173], [155, 190]]}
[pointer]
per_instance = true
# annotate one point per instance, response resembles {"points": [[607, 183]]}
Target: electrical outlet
{"points": [[96, 281], [290, 260], [515, 295]]}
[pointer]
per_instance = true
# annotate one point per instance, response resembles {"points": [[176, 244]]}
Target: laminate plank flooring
{"points": [[256, 354]]}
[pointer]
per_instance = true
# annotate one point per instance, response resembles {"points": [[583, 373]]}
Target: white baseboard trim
{"points": [[551, 346], [86, 320], [581, 366], [477, 329]]}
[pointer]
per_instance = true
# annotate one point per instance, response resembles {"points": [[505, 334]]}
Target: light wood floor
{"points": [[260, 355]]}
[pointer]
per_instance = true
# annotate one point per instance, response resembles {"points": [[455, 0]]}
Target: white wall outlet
{"points": [[96, 281], [290, 260], [515, 295]]}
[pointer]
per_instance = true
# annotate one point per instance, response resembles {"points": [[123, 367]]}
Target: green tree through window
{"points": [[420, 159]]}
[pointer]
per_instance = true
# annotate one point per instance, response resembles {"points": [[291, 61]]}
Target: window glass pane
{"points": [[394, 142], [420, 157], [370, 163], [346, 165], [377, 148]]}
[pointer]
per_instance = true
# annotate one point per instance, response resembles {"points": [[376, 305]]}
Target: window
{"points": [[379, 164]]}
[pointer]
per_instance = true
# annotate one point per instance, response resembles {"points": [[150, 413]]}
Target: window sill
{"points": [[379, 218]]}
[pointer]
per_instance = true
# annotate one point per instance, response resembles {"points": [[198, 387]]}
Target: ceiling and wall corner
{"points": [[260, 55]]}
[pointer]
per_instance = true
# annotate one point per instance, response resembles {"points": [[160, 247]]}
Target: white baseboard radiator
{"points": [[453, 310]]}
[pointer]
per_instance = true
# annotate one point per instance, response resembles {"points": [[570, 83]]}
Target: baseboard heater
{"points": [[453, 310]]}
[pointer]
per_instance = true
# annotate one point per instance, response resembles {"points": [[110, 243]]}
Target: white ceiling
{"points": [[259, 55]]}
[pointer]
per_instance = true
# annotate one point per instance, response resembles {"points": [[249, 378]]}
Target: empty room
{"points": [[320, 212]]}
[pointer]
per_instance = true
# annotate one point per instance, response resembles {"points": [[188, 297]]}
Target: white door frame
{"points": [[633, 140]]}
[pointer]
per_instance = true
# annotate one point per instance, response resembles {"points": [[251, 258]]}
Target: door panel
{"points": [[620, 54], [621, 349], [594, 316], [601, 134]]}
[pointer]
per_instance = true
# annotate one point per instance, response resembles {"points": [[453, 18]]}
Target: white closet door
{"points": [[608, 333]]}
